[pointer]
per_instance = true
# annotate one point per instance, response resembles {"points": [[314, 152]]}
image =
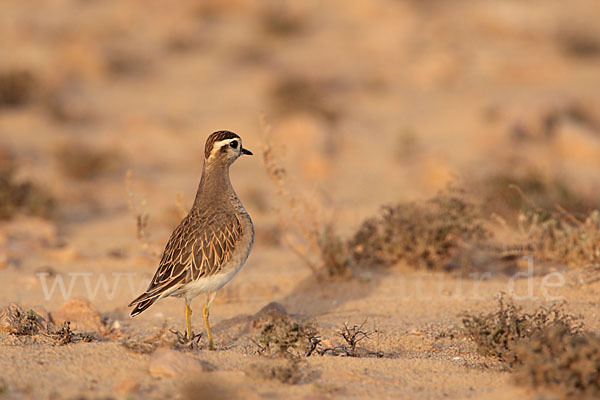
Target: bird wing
{"points": [[198, 247]]}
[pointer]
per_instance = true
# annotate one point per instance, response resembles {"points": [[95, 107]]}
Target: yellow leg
{"points": [[211, 345], [205, 312], [188, 320]]}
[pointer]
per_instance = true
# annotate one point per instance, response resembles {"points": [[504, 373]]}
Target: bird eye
{"points": [[234, 144]]}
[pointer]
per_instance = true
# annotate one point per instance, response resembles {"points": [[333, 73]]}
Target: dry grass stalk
{"points": [[511, 193], [139, 213], [560, 236], [564, 239], [316, 244]]}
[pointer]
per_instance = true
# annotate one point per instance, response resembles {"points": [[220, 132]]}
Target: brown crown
{"points": [[217, 137]]}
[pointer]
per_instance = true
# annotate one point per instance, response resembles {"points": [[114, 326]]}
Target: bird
{"points": [[211, 244]]}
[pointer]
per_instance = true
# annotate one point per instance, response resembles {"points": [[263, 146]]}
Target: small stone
{"points": [[167, 363], [81, 313], [126, 386]]}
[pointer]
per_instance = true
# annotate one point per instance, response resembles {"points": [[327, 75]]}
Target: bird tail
{"points": [[141, 306]]}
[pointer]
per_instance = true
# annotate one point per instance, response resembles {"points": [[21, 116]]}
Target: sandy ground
{"points": [[403, 97]]}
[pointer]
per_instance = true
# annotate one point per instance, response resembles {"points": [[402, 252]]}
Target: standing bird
{"points": [[211, 244]]}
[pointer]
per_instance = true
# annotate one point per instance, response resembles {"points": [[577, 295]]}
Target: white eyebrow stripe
{"points": [[219, 145]]}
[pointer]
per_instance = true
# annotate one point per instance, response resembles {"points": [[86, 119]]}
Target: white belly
{"points": [[208, 284]]}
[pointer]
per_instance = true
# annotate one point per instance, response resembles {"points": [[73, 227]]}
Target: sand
{"points": [[403, 98]]}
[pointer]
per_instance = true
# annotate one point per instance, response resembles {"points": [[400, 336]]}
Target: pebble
{"points": [[83, 316]]}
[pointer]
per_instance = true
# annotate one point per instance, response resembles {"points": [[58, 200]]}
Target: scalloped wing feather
{"points": [[199, 247]]}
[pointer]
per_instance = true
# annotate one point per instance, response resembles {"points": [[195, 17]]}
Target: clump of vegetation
{"points": [[352, 336], [82, 162], [556, 359], [64, 335], [555, 222], [500, 332], [17, 321], [283, 336], [424, 235], [23, 197], [318, 244], [509, 195], [564, 239], [334, 252], [16, 87]]}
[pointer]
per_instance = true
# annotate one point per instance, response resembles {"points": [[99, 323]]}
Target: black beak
{"points": [[246, 151]]}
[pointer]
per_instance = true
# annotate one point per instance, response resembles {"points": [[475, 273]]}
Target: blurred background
{"points": [[368, 103], [105, 106]]}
